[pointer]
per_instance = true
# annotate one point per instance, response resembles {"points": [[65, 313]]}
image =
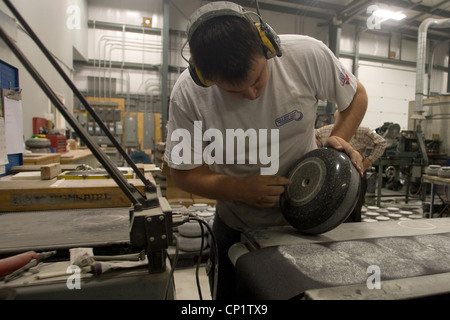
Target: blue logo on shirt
{"points": [[291, 116]]}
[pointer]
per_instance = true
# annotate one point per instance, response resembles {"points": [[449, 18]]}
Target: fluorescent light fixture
{"points": [[388, 14]]}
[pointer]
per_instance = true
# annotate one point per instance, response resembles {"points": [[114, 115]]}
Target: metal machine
{"points": [[404, 152], [403, 143]]}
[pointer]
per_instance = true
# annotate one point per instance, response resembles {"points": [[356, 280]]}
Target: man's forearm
{"points": [[256, 190], [203, 182]]}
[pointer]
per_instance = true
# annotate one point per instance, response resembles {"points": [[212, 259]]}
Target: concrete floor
{"points": [[186, 284]]}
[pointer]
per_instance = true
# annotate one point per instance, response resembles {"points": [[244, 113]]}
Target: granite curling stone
{"points": [[324, 190]]}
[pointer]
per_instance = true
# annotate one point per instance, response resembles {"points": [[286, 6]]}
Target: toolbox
{"points": [[58, 142]]}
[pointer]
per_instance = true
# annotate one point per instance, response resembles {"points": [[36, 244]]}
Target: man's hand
{"points": [[366, 164], [340, 144], [258, 190], [263, 191]]}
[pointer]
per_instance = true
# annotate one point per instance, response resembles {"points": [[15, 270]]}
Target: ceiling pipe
{"points": [[421, 56]]}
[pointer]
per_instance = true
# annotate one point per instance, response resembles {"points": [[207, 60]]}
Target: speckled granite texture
{"points": [[324, 190]]}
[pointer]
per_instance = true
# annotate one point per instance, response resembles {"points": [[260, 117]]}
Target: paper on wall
{"points": [[13, 126], [3, 154]]}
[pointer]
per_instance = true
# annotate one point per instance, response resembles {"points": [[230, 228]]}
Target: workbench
{"points": [[25, 195], [433, 181], [106, 230], [125, 284], [412, 259], [79, 156], [41, 158]]}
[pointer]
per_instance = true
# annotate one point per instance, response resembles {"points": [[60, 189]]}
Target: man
{"points": [[363, 139], [242, 79]]}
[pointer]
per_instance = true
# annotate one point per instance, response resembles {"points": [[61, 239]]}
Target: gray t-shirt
{"points": [[275, 130]]}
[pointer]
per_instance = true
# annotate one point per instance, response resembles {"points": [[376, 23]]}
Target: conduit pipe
{"points": [[421, 56], [115, 47], [119, 45], [116, 40]]}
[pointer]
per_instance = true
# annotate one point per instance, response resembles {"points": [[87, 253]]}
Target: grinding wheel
{"points": [[324, 190]]}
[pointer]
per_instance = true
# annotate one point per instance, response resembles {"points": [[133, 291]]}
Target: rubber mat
{"points": [[287, 271]]}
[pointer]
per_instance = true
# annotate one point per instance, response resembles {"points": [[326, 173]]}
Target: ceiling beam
{"points": [[281, 9], [314, 4], [354, 13]]}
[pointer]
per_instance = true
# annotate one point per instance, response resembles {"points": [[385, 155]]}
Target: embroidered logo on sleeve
{"points": [[343, 77], [291, 116]]}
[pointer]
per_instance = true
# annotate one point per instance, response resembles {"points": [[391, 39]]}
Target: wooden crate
{"points": [[23, 195]]}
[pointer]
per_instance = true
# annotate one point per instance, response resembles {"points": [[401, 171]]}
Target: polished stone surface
{"points": [[324, 190]]}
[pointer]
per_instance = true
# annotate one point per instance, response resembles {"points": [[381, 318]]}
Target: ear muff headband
{"points": [[269, 39], [212, 10]]}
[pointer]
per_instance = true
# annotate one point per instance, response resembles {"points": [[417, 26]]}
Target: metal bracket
{"points": [[151, 229]]}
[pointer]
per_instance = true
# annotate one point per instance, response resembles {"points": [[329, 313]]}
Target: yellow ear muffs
{"points": [[197, 76], [270, 40]]}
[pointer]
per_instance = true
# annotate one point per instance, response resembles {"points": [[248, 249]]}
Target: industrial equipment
{"points": [[403, 144], [405, 150]]}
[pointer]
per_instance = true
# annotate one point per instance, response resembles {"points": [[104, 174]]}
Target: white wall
{"points": [[389, 90], [130, 47], [126, 12], [391, 87], [48, 19]]}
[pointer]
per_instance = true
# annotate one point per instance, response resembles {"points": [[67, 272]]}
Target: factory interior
{"points": [[89, 209]]}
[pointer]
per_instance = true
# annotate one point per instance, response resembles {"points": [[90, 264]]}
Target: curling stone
{"points": [[38, 145], [324, 190]]}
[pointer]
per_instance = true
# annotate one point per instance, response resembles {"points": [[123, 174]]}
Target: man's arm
{"points": [[378, 144], [345, 125], [348, 121], [258, 190]]}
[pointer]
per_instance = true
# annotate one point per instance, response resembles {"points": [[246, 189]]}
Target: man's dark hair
{"points": [[225, 48]]}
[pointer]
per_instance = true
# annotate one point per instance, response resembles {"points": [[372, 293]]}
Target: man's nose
{"points": [[251, 93]]}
